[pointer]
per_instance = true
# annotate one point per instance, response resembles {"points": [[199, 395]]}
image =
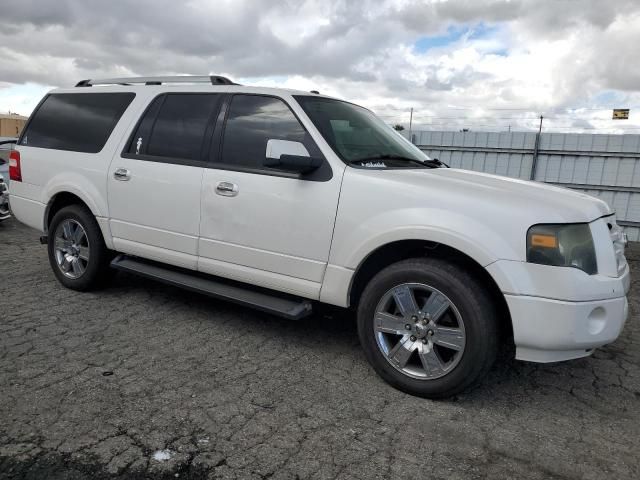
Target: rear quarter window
{"points": [[77, 122]]}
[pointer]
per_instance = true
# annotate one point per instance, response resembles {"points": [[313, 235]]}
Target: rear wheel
{"points": [[428, 327], [77, 253]]}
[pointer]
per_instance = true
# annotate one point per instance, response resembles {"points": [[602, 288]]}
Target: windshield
{"points": [[358, 136]]}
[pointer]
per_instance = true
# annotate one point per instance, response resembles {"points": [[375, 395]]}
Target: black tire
{"points": [[471, 300], [97, 269]]}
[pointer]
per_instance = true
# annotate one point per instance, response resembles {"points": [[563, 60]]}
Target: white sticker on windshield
{"points": [[374, 165]]}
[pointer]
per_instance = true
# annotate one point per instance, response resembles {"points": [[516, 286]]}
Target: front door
{"points": [[260, 225], [154, 186]]}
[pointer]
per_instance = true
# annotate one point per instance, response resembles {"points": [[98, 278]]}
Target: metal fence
{"points": [[605, 166]]}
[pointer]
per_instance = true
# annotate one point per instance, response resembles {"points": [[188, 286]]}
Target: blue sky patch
{"points": [[609, 98], [454, 34]]}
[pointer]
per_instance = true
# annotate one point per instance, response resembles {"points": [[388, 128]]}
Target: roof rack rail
{"points": [[212, 79]]}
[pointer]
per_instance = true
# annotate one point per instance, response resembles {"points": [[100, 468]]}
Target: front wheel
{"points": [[428, 327]]}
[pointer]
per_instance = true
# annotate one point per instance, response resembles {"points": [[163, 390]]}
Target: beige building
{"points": [[11, 124]]}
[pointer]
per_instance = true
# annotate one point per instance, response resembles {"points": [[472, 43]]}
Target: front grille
{"points": [[619, 239]]}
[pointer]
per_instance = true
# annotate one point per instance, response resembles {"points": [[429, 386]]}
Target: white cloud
{"points": [[21, 99], [559, 58]]}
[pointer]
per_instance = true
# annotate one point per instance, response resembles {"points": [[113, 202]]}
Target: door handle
{"points": [[122, 174], [227, 189]]}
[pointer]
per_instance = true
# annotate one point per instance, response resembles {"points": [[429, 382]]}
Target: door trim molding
{"points": [[263, 260], [261, 278]]}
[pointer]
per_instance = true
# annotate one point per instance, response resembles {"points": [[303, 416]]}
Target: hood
{"points": [[485, 216], [542, 202]]}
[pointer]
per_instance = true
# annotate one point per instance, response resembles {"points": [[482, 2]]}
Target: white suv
{"points": [[279, 199]]}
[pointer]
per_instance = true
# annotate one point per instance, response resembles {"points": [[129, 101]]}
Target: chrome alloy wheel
{"points": [[419, 331], [71, 248]]}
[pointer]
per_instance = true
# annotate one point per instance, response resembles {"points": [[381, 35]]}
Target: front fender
{"points": [[355, 242]]}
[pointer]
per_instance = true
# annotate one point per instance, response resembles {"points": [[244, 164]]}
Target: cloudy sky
{"points": [[484, 65]]}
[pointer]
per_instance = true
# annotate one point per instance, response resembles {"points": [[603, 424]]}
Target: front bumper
{"points": [[546, 330], [561, 313]]}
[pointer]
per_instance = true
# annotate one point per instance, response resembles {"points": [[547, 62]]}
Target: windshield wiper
{"points": [[435, 162], [375, 158]]}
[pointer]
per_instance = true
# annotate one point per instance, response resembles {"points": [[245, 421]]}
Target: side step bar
{"points": [[283, 305]]}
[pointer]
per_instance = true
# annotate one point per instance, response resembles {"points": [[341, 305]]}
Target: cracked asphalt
{"points": [[142, 380]]}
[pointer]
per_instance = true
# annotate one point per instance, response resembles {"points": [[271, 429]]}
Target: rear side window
{"points": [[251, 122], [175, 126], [77, 122]]}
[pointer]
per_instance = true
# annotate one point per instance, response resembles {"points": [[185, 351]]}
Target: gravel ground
{"points": [[142, 380]]}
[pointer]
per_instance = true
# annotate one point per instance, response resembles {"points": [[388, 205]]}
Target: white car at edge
{"points": [[280, 199]]}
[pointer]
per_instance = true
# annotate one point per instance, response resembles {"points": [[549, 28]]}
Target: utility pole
{"points": [[536, 148], [540, 129], [410, 125]]}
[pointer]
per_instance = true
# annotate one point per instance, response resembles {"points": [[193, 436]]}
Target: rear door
{"points": [[155, 182]]}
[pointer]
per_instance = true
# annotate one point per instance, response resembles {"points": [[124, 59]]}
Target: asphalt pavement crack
{"points": [[205, 389]]}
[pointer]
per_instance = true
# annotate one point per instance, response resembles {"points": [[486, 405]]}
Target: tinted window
{"points": [[145, 125], [79, 122], [251, 122], [175, 126]]}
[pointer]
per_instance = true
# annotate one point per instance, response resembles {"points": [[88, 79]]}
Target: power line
{"points": [[488, 108], [548, 127], [514, 118], [568, 111], [532, 109], [481, 118], [621, 127], [525, 121]]}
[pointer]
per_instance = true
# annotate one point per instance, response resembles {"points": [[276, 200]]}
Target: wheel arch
{"points": [[65, 198], [393, 252], [76, 186], [60, 200]]}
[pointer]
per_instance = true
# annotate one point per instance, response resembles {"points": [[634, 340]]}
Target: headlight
{"points": [[562, 245]]}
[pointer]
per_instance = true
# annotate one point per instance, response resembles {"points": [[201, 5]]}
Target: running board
{"points": [[283, 305]]}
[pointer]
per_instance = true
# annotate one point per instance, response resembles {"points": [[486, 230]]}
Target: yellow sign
{"points": [[620, 114]]}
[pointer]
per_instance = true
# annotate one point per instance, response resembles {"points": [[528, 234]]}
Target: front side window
{"points": [[175, 126], [357, 136], [77, 122], [252, 121]]}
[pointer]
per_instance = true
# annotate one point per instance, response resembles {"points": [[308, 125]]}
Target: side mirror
{"points": [[290, 156]]}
